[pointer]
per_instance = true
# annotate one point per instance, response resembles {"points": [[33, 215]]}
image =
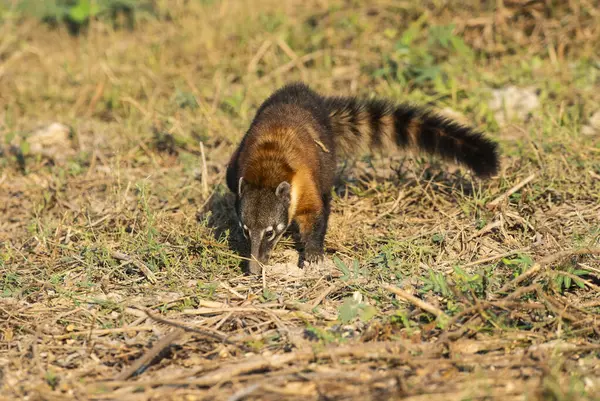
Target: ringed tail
{"points": [[356, 122]]}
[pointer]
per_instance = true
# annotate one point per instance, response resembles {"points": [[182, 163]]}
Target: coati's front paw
{"points": [[313, 256]]}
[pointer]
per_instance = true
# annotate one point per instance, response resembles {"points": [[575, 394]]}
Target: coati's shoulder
{"points": [[296, 94]]}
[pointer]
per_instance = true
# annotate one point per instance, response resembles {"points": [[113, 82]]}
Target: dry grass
{"points": [[119, 278]]}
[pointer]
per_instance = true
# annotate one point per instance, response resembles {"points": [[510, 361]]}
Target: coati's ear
{"points": [[283, 190], [240, 186]]}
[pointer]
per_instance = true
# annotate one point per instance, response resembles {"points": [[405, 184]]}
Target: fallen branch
{"points": [[498, 304], [277, 312], [511, 191], [100, 332], [494, 257], [145, 359], [417, 302], [401, 195], [143, 268], [485, 229], [569, 252], [395, 350], [202, 332], [323, 295], [204, 171], [259, 55], [244, 392], [576, 279], [523, 290], [166, 341], [546, 261]]}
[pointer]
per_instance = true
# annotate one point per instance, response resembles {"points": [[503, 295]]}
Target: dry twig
{"points": [[511, 191], [140, 265], [202, 332], [416, 301], [152, 353], [546, 261]]}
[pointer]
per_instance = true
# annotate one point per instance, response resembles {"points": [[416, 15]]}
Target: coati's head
{"points": [[263, 217]]}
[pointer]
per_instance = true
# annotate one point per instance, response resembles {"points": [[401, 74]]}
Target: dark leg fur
{"points": [[313, 242], [312, 233]]}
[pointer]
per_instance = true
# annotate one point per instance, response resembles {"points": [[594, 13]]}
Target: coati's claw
{"points": [[313, 257]]}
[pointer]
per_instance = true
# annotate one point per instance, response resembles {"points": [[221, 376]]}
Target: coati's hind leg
{"points": [[312, 227]]}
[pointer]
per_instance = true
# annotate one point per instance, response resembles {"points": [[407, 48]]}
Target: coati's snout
{"points": [[263, 217]]}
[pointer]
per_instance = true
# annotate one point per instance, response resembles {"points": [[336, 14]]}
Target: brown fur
{"points": [[276, 153], [284, 168]]}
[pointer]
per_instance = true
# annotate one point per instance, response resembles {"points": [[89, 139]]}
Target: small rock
{"points": [[512, 103], [593, 128], [595, 120], [51, 141], [114, 297], [357, 296], [588, 130]]}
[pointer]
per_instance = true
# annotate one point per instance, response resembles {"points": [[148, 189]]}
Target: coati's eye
{"points": [[270, 233]]}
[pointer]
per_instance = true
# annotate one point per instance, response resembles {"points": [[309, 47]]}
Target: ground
{"points": [[119, 264]]}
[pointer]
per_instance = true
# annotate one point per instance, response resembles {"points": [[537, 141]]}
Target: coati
{"points": [[284, 168]]}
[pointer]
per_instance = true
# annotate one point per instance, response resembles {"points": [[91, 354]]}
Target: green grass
{"points": [[129, 179]]}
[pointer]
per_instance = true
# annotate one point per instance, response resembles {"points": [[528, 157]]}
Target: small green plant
{"points": [[52, 379], [233, 104], [57, 279], [564, 282], [207, 290], [420, 63], [469, 282], [437, 238], [436, 282], [520, 264], [401, 317], [317, 333], [272, 21], [11, 283], [76, 14], [480, 224], [353, 307], [185, 99], [347, 273], [268, 295]]}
